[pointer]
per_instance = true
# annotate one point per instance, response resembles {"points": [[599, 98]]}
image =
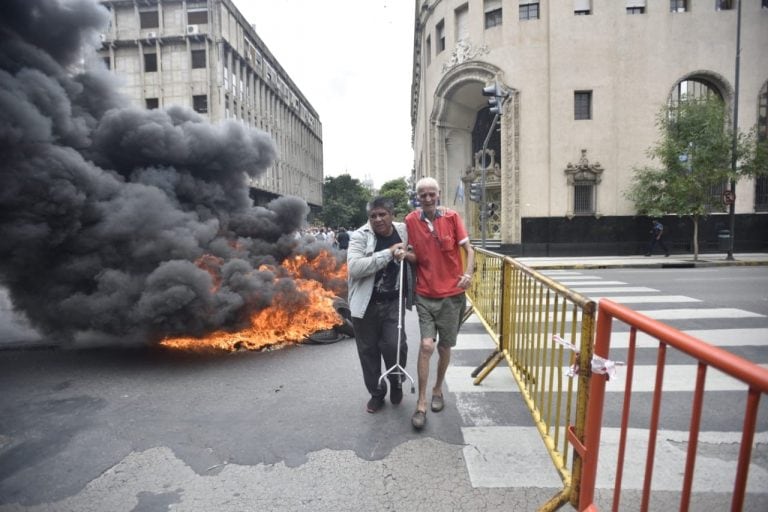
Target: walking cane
{"points": [[400, 370]]}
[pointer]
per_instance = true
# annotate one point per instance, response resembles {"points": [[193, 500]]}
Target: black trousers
{"points": [[376, 338], [654, 241]]}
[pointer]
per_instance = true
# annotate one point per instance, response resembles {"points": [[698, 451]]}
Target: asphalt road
{"points": [[143, 430]]}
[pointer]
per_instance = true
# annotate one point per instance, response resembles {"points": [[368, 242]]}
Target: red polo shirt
{"points": [[439, 261]]}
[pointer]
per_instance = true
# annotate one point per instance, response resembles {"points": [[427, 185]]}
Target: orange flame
{"points": [[281, 322]]}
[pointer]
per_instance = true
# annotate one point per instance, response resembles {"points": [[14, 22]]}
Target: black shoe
{"points": [[395, 393], [374, 404]]}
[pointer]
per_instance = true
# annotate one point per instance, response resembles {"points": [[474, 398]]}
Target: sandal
{"points": [[437, 403], [419, 419]]}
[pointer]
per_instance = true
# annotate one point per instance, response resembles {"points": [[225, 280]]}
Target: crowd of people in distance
{"points": [[338, 238]]}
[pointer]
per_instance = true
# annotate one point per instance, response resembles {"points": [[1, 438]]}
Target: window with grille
{"points": [[200, 103], [149, 19], [150, 62], [582, 105], [583, 198], [151, 103], [198, 59], [761, 194], [440, 36], [635, 10], [492, 10], [716, 197], [678, 5], [529, 11], [761, 182]]}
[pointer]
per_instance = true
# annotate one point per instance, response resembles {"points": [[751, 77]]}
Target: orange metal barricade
{"points": [[755, 378]]}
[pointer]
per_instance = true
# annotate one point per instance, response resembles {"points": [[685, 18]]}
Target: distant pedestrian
{"points": [[343, 239], [657, 229]]}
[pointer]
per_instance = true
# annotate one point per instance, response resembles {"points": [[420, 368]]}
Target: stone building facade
{"points": [[585, 82], [203, 54]]}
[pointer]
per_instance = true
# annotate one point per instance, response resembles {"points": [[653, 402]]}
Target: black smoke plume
{"points": [[106, 208]]}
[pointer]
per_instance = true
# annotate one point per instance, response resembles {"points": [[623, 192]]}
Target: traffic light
{"points": [[474, 191], [491, 209], [497, 95]]}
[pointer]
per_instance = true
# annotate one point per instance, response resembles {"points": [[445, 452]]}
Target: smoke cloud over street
{"points": [[106, 210]]}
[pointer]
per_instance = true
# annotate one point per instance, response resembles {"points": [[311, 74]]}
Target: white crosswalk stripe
{"points": [[589, 290], [647, 299], [493, 450]]}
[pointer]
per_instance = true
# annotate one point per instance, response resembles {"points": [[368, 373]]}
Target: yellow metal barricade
{"points": [[522, 310]]}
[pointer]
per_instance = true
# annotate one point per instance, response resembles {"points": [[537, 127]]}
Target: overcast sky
{"points": [[352, 59]]}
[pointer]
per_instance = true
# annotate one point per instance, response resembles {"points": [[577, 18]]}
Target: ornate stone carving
{"points": [[462, 52], [584, 171]]}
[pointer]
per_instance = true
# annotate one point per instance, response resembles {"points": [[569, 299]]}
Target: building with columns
{"points": [[586, 80], [205, 55]]}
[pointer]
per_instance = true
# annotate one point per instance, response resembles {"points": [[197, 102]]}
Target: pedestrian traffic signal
{"points": [[491, 209], [496, 100], [475, 191]]}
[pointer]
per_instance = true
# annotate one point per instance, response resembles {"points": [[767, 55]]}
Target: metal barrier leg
{"points": [[467, 313], [483, 370], [484, 363]]}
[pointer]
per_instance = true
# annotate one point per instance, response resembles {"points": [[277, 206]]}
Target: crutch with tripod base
{"points": [[397, 369]]}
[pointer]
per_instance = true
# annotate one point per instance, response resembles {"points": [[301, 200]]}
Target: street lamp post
{"points": [[732, 206], [496, 100]]}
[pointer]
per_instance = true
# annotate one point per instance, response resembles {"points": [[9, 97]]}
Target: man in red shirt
{"points": [[436, 234]]}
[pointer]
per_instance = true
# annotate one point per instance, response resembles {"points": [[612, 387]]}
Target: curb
{"points": [[676, 264]]}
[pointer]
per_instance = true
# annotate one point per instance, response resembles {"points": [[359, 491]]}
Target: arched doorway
{"points": [[460, 121]]}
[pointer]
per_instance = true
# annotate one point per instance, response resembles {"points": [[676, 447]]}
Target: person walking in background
{"points": [[373, 267], [343, 239], [656, 231], [436, 235]]}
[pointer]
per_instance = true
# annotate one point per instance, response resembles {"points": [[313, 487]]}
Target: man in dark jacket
{"points": [[656, 230]]}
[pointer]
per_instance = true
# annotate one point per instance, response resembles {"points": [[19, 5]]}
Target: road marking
{"points": [[508, 457], [691, 314], [718, 337], [757, 337], [580, 277], [474, 342], [657, 314], [459, 380], [714, 473], [590, 283], [611, 289], [647, 299], [677, 378], [493, 456]]}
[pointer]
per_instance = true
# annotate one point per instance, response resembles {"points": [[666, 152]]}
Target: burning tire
{"points": [[338, 332]]}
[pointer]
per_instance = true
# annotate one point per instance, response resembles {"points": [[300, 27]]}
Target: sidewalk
{"points": [[655, 261]]}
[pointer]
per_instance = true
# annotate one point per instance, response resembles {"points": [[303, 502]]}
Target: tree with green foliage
{"points": [[397, 191], [694, 152], [344, 202]]}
